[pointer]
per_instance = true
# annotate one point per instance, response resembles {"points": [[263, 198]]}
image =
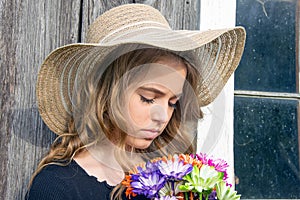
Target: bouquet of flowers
{"points": [[185, 177]]}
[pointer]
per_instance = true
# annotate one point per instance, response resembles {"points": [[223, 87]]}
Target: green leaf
{"points": [[225, 192], [186, 187]]}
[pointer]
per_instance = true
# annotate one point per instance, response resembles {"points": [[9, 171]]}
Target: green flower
{"points": [[225, 192], [201, 180]]}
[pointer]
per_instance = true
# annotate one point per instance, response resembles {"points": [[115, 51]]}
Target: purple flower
{"points": [[163, 178], [212, 195], [148, 185], [174, 168], [204, 159], [219, 164], [166, 198], [150, 168]]}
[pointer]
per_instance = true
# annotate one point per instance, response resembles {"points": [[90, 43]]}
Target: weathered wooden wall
{"points": [[29, 30]]}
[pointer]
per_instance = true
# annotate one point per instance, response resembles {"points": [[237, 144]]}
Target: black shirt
{"points": [[56, 182]]}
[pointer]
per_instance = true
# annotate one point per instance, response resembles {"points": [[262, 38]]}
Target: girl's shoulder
{"points": [[66, 182], [63, 170]]}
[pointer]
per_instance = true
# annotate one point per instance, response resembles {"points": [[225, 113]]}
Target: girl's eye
{"points": [[151, 101], [144, 99], [173, 105]]}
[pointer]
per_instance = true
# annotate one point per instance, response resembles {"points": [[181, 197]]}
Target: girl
{"points": [[131, 93]]}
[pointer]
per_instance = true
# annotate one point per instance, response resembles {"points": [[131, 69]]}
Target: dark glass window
{"points": [[266, 148], [269, 59], [266, 107]]}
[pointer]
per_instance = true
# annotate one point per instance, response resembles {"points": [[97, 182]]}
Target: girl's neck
{"points": [[103, 168]]}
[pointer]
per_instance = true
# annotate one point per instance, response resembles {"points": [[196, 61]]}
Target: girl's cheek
{"points": [[138, 112]]}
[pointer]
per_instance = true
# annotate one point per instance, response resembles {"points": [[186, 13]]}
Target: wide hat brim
{"points": [[218, 53]]}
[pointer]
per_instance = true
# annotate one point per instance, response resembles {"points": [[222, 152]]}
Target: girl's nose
{"points": [[159, 113]]}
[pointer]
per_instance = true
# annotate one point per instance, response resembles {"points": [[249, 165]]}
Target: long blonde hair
{"points": [[94, 119]]}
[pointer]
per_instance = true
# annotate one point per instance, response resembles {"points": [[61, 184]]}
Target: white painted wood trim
{"points": [[215, 132]]}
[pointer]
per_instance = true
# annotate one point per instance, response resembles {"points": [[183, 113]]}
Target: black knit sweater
{"points": [[68, 182]]}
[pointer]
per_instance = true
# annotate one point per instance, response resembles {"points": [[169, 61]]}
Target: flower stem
{"points": [[186, 196]]}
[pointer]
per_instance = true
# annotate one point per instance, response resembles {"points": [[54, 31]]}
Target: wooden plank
{"points": [[191, 17], [91, 9], [29, 31], [180, 14], [183, 14], [7, 75]]}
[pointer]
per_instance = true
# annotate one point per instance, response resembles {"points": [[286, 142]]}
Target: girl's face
{"points": [[151, 102]]}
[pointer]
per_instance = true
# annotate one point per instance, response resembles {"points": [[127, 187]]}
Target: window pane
{"points": [[268, 63], [266, 148]]}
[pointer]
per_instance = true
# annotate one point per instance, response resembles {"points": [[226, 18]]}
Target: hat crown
{"points": [[124, 18], [214, 53]]}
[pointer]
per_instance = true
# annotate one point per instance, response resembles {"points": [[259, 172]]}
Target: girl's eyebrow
{"points": [[157, 91]]}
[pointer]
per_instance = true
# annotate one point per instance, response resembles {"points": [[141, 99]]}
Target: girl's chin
{"points": [[140, 143]]}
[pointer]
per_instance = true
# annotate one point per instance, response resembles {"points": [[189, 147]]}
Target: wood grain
{"points": [[29, 31], [181, 14], [91, 9]]}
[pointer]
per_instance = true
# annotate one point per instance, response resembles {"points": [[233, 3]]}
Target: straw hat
{"points": [[218, 54]]}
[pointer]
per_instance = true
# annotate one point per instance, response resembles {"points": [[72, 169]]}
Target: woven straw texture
{"points": [[217, 53]]}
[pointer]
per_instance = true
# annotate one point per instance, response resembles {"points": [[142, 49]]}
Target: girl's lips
{"points": [[151, 130], [151, 133]]}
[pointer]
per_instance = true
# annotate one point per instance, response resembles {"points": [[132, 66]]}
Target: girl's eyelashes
{"points": [[151, 101], [173, 105], [146, 100]]}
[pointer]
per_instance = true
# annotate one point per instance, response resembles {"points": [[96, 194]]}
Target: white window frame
{"points": [[215, 131]]}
